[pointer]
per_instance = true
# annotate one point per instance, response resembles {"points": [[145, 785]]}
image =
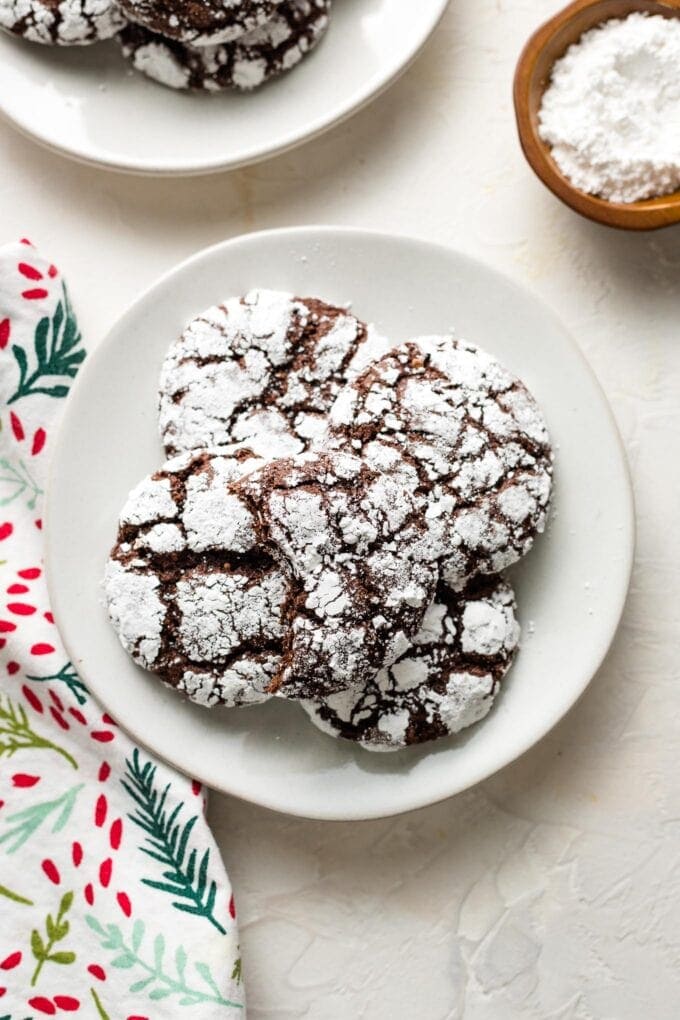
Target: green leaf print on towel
{"points": [[185, 878], [17, 735], [31, 818], [15, 897], [55, 931], [15, 481], [55, 356], [68, 676], [158, 980]]}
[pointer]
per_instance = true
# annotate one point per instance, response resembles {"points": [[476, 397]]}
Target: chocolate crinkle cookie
{"points": [[449, 415], [445, 681], [61, 22], [191, 593], [262, 369], [200, 22], [244, 64], [333, 522], [356, 545]]}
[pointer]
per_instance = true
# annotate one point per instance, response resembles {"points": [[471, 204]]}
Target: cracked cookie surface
{"points": [[263, 369], [447, 414], [358, 548], [200, 22], [445, 681], [244, 64], [190, 592], [61, 22]]}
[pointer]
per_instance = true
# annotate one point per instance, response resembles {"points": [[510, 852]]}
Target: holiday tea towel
{"points": [[114, 902]]}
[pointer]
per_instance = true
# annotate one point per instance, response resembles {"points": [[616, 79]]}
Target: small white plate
{"points": [[86, 103], [571, 589]]}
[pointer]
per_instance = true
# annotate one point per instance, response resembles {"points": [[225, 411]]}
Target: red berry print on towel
{"points": [[11, 961], [67, 1002], [30, 272], [43, 1005], [22, 780], [17, 427], [42, 648], [50, 869]]}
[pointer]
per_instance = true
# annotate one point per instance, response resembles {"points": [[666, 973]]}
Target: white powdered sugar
{"points": [[136, 611], [149, 501], [611, 112], [215, 518], [221, 612], [161, 538], [157, 61], [489, 625]]}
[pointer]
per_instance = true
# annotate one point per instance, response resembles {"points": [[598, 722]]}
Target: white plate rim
{"points": [[628, 529], [353, 104]]}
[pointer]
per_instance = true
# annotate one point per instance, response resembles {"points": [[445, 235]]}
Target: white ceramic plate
{"points": [[571, 589], [84, 101]]}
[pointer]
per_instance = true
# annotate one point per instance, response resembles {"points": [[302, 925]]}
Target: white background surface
{"points": [[553, 890]]}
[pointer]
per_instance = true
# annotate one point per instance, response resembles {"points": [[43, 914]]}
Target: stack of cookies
{"points": [[208, 45], [332, 522]]}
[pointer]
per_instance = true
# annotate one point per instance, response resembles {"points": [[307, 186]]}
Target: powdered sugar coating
{"points": [[263, 370], [244, 63], [450, 416], [192, 595], [200, 24], [445, 681], [61, 22], [357, 545]]}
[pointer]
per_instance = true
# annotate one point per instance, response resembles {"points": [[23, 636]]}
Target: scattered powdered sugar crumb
{"points": [[157, 61], [488, 627], [612, 110]]}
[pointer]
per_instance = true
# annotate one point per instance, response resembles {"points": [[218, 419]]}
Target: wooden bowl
{"points": [[531, 79]]}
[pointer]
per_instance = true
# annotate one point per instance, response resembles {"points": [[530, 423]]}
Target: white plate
{"points": [[571, 589], [84, 101]]}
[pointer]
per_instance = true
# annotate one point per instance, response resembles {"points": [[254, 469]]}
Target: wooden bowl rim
{"points": [[649, 214]]}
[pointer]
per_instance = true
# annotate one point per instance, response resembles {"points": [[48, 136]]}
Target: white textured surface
{"points": [[552, 892]]}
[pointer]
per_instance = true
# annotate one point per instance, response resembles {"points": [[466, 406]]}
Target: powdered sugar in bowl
{"points": [[532, 79]]}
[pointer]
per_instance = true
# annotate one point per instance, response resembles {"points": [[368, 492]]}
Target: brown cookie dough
{"points": [[61, 22], [456, 424], [200, 22], [244, 64], [263, 369], [193, 596], [445, 681], [363, 572]]}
